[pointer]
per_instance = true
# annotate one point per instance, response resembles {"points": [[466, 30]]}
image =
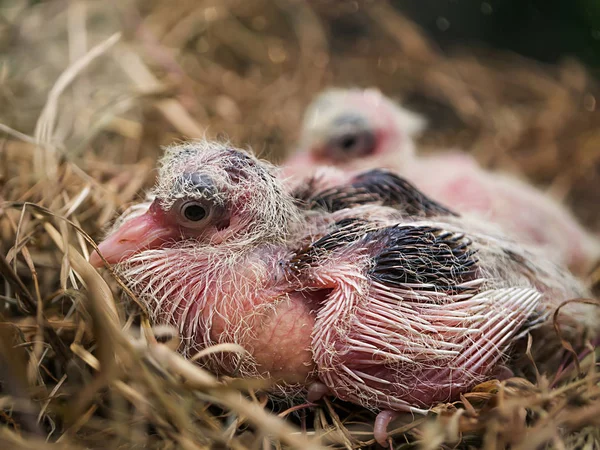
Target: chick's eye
{"points": [[355, 144], [192, 212], [348, 142]]}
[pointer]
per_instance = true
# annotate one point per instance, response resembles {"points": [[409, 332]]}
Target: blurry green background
{"points": [[546, 30]]}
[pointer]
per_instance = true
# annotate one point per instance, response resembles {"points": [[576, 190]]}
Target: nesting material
{"points": [[76, 375]]}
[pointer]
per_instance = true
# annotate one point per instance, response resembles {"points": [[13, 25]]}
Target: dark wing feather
{"points": [[380, 187], [424, 256], [341, 233], [417, 257]]}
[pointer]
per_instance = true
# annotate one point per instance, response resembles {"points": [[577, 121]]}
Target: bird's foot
{"points": [[380, 431], [316, 391]]}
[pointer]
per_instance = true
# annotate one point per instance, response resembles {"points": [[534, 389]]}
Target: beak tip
{"points": [[95, 260], [133, 236]]}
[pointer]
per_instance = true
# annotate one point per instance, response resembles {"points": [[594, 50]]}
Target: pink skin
{"points": [[327, 326], [518, 208], [316, 391], [455, 179], [382, 421], [289, 340], [281, 348], [147, 231]]}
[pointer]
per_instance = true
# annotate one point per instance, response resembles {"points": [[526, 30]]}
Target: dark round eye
{"points": [[348, 142], [194, 212], [354, 144], [197, 214]]}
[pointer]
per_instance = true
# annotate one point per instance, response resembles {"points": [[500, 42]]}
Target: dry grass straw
{"points": [[92, 89]]}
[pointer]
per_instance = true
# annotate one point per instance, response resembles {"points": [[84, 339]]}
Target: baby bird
{"points": [[359, 129], [368, 291]]}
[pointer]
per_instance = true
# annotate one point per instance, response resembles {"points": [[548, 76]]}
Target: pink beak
{"points": [[139, 233]]}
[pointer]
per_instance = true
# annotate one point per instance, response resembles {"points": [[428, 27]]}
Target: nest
{"points": [[90, 91]]}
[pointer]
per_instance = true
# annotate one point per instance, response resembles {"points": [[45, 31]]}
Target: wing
{"points": [[423, 258], [498, 317], [339, 235], [374, 187], [407, 321]]}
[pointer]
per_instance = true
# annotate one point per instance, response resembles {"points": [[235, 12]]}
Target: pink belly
{"points": [[282, 343]]}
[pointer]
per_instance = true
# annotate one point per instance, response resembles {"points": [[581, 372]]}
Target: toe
{"points": [[380, 432], [316, 391]]}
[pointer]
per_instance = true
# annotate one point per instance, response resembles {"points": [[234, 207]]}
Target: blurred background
{"points": [[91, 90], [545, 30], [511, 81]]}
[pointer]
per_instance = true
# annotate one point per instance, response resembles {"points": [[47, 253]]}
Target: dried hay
{"points": [[95, 88]]}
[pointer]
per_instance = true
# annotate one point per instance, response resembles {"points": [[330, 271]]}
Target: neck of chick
{"points": [[232, 292]]}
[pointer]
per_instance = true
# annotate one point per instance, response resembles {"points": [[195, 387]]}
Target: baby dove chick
{"points": [[393, 308], [359, 129]]}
